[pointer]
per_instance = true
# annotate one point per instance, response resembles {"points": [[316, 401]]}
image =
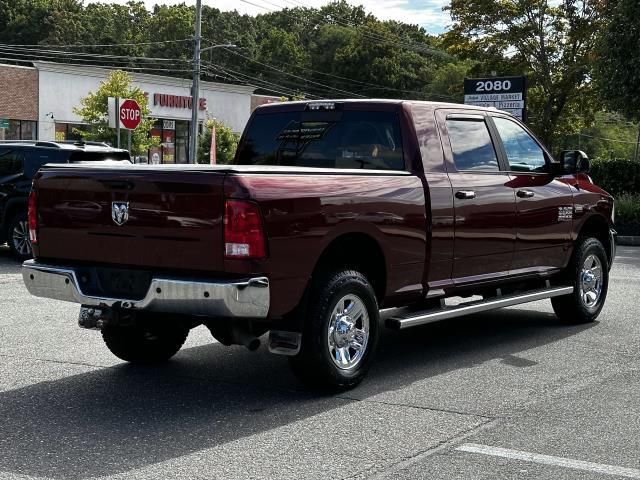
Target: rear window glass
{"points": [[471, 145], [351, 139], [97, 156]]}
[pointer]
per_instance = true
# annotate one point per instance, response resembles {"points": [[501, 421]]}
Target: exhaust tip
{"points": [[253, 344]]}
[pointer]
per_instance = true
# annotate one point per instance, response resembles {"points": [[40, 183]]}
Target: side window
{"points": [[36, 158], [523, 153], [472, 146], [10, 163]]}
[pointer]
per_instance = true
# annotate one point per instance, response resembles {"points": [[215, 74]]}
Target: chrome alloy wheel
{"points": [[20, 238], [348, 332], [590, 283]]}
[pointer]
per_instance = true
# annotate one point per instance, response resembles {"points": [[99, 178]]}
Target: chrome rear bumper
{"points": [[242, 299]]}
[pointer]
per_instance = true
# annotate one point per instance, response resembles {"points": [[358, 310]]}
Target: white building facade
{"points": [[61, 87]]}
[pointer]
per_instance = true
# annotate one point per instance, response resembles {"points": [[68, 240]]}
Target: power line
{"points": [[295, 76], [9, 47], [371, 36], [373, 85], [605, 139], [280, 89], [107, 67], [84, 45]]}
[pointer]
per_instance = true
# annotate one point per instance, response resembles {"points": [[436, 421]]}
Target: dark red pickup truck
{"points": [[331, 213]]}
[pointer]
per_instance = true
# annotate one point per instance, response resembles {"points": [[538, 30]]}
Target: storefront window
{"points": [[68, 131], [18, 129], [173, 136], [168, 141], [182, 141]]}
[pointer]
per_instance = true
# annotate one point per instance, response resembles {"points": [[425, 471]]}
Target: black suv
{"points": [[19, 161]]}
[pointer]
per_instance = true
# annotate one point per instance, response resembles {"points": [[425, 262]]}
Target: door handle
{"points": [[525, 193], [465, 194]]}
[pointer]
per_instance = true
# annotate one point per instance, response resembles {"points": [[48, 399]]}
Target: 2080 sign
{"points": [[504, 93]]}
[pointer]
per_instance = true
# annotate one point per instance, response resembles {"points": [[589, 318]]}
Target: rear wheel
{"points": [[145, 343], [18, 237], [589, 275], [340, 334]]}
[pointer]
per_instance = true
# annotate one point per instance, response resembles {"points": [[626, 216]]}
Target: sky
{"points": [[426, 13]]}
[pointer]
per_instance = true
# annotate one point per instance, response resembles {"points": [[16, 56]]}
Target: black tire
{"points": [[314, 365], [145, 344], [579, 307], [18, 237]]}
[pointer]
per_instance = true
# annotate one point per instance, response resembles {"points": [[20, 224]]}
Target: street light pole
{"points": [[195, 87]]}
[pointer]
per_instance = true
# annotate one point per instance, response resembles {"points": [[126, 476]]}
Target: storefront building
{"points": [[61, 87], [18, 103]]}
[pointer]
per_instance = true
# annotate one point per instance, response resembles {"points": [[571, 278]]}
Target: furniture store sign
{"points": [[177, 101]]}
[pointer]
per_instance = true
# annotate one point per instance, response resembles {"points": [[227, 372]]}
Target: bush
{"points": [[226, 143], [628, 214], [617, 176]]}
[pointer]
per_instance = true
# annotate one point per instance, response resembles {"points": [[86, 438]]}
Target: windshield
{"points": [[351, 139]]}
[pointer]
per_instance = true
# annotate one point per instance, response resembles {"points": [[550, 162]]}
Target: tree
{"points": [[618, 62], [552, 45], [226, 143], [94, 110]]}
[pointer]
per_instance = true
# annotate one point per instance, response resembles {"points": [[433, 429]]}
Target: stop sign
{"points": [[130, 114]]}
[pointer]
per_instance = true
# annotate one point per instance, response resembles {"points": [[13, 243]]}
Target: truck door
{"points": [[484, 203], [544, 205]]}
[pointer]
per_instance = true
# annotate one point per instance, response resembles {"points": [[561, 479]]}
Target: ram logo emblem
{"points": [[120, 212]]}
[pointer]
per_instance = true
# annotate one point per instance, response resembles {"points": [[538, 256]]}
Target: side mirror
{"points": [[574, 161]]}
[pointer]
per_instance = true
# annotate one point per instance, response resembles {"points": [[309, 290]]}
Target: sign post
{"points": [[124, 113], [508, 94], [118, 123]]}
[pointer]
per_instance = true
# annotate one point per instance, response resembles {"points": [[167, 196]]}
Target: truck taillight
{"points": [[33, 217], [243, 231]]}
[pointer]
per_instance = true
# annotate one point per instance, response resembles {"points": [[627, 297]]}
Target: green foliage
{"points": [[617, 176], [618, 61], [610, 136], [551, 43], [628, 214], [94, 110], [226, 143], [628, 207]]}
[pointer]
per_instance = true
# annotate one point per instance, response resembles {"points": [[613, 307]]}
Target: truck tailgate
{"points": [[174, 216]]}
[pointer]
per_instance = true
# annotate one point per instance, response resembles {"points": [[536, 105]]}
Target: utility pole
{"points": [[195, 88]]}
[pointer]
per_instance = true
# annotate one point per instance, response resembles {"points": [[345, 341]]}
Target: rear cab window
{"points": [[350, 139]]}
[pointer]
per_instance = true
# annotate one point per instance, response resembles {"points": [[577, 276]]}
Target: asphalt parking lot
{"points": [[510, 394]]}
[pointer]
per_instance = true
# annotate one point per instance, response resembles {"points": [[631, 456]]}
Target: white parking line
{"points": [[550, 460]]}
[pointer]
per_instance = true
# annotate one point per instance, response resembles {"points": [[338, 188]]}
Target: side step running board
{"points": [[412, 319]]}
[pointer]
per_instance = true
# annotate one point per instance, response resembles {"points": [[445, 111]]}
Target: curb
{"points": [[629, 240]]}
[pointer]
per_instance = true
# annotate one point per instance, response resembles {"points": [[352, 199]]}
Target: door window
{"points": [[10, 163], [472, 146], [523, 152]]}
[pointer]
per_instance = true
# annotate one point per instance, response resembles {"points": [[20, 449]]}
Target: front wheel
{"points": [[340, 334], [589, 275], [145, 343]]}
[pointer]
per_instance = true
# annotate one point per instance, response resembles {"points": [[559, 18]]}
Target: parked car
{"points": [[19, 161], [332, 213]]}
